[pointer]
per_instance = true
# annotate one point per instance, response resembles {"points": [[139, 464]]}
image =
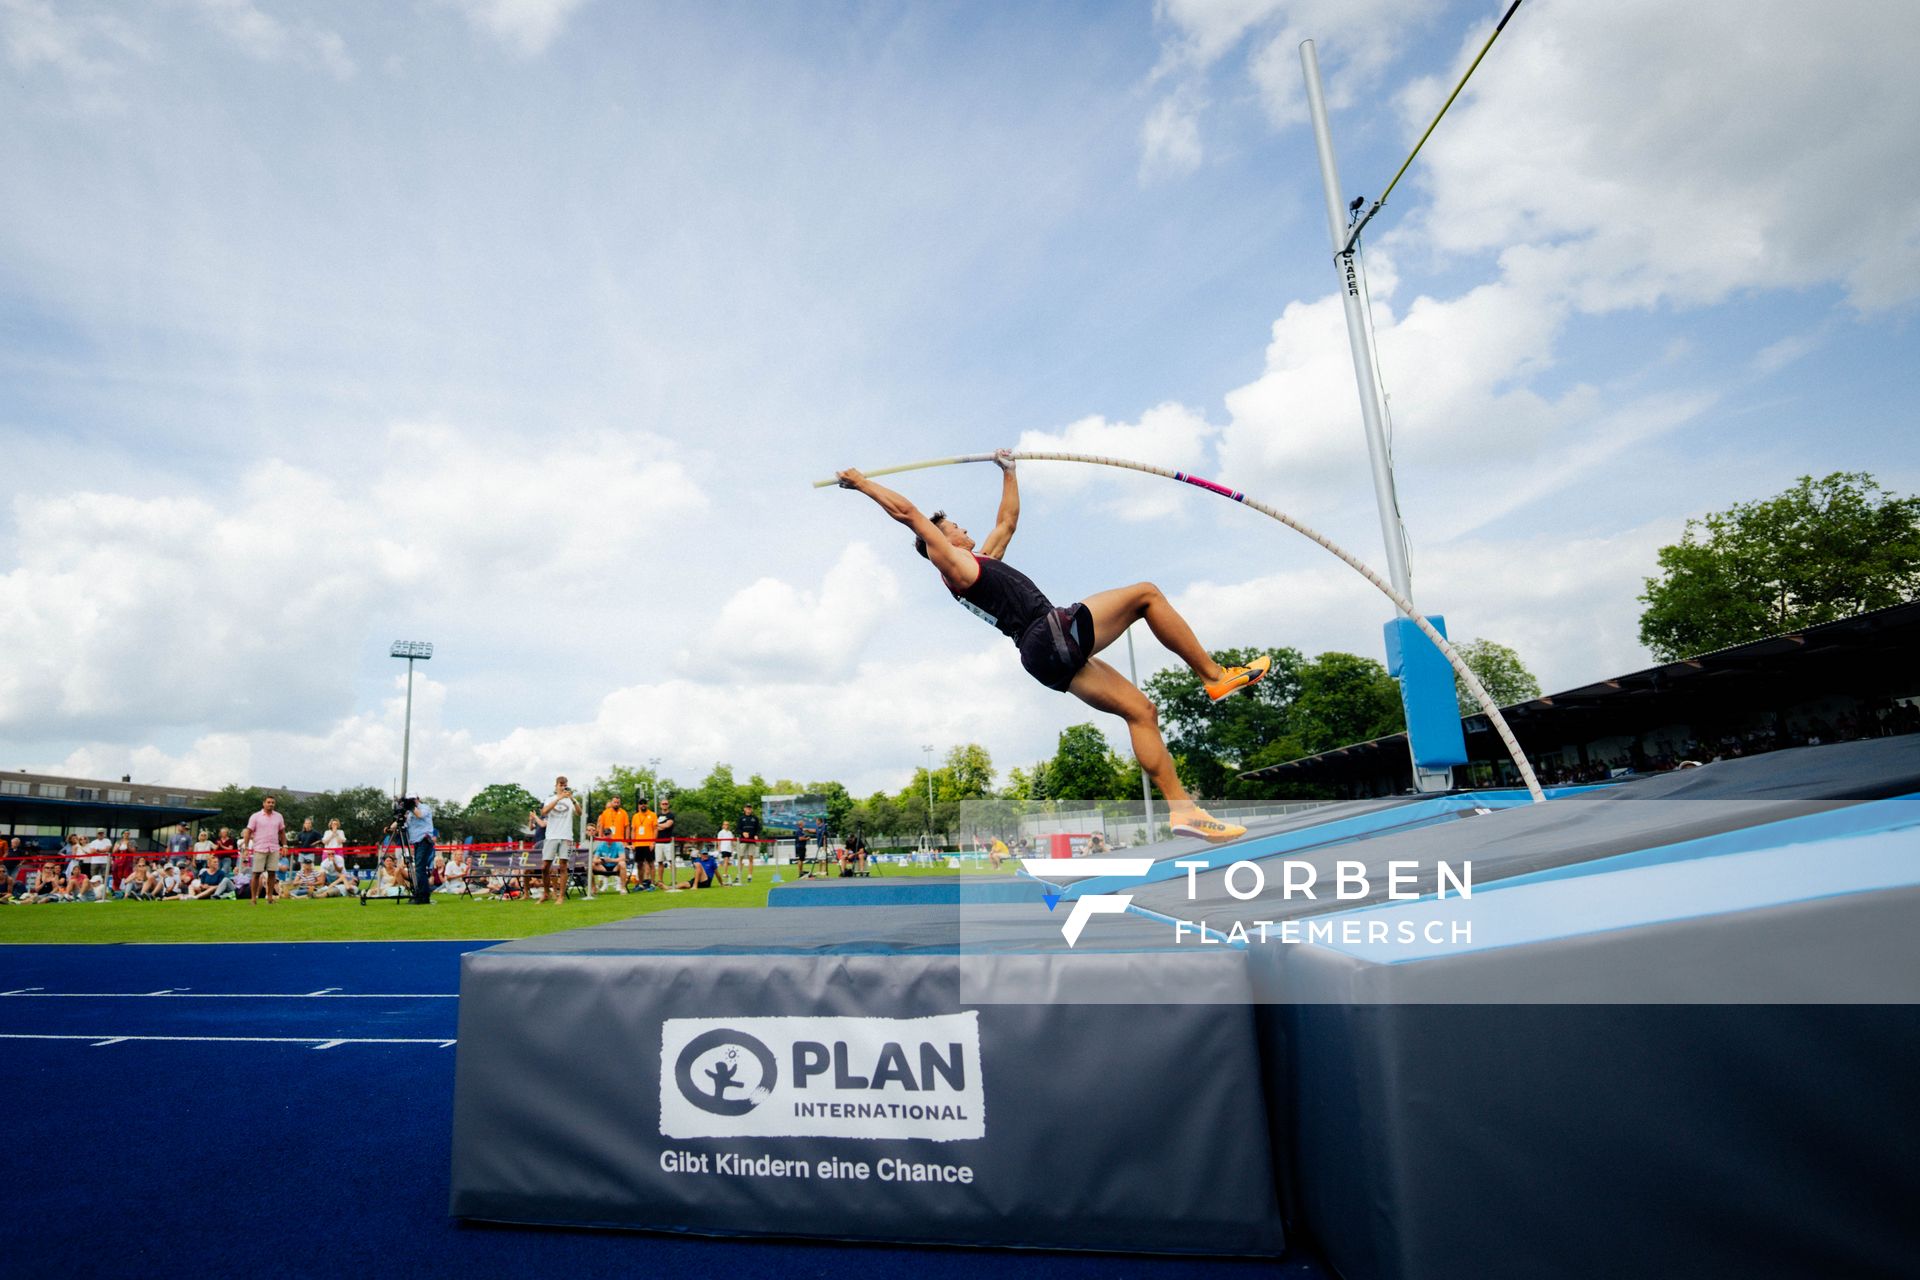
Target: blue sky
{"points": [[522, 326]]}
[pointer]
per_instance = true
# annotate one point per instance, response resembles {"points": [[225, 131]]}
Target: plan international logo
{"points": [[822, 1077]]}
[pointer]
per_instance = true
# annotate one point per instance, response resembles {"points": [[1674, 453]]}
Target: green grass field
{"points": [[378, 920]]}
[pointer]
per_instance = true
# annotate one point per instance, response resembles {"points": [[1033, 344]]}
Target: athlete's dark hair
{"points": [[920, 544]]}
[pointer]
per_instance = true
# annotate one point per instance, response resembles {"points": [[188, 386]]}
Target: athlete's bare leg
{"points": [[1114, 611], [1100, 686]]}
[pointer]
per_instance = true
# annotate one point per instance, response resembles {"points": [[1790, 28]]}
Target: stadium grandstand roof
{"points": [[1864, 658]]}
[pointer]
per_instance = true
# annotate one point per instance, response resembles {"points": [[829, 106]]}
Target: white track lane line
{"points": [[318, 1042]]}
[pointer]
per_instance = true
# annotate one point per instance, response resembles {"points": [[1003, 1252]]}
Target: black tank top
{"points": [[1005, 597]]}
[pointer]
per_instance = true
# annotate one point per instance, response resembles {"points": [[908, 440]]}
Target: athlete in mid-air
{"points": [[1058, 644]]}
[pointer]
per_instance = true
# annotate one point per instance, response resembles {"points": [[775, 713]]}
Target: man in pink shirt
{"points": [[263, 834]]}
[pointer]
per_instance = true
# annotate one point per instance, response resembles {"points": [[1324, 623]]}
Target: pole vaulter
{"points": [[906, 513]]}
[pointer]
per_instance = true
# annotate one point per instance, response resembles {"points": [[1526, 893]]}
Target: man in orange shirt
{"points": [[646, 830], [610, 851]]}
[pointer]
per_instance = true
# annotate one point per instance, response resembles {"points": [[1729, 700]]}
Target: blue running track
{"points": [[265, 1109]]}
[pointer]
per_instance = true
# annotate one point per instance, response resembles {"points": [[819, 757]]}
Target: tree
{"points": [[969, 771], [499, 811], [1499, 669], [1215, 739], [1824, 549], [630, 782], [1343, 699], [1084, 766]]}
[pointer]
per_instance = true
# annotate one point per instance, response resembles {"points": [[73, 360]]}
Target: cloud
{"points": [[1170, 140], [248, 610], [1357, 40], [771, 626], [526, 26], [84, 49], [1167, 435], [267, 39], [1628, 178], [814, 725]]}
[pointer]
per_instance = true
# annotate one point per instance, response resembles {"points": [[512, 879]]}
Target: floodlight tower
{"points": [[413, 651]]}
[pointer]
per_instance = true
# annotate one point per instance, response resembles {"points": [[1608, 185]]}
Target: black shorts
{"points": [[643, 853], [1057, 645]]}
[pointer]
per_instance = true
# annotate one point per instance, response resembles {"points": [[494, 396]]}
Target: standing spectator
{"points": [[420, 835], [179, 844], [264, 833], [557, 849], [663, 837], [646, 832], [307, 840], [332, 841], [99, 856], [800, 848], [202, 848], [76, 851], [749, 838], [610, 852], [230, 855], [723, 849]]}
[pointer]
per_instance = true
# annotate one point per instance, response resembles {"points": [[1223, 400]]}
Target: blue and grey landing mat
{"points": [[1679, 1040]]}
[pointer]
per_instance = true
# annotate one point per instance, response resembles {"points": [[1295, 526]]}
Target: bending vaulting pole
{"points": [[1405, 605]]}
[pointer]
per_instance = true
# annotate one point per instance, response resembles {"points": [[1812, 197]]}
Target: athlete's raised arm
{"points": [[1008, 518], [955, 565]]}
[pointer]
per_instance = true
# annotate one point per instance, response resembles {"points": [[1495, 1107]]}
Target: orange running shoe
{"points": [[1238, 678], [1198, 822]]}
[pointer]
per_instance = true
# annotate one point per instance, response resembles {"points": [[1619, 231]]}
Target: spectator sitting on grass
{"points": [[334, 876], [48, 885], [173, 884], [134, 887], [307, 880], [453, 876], [6, 881], [209, 883], [335, 880], [393, 879]]}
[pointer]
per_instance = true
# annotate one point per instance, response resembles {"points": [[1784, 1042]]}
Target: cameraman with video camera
{"points": [[413, 817]]}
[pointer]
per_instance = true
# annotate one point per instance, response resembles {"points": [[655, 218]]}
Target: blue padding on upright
{"points": [[1427, 692], [1660, 893], [1406, 817], [908, 892], [1853, 819]]}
